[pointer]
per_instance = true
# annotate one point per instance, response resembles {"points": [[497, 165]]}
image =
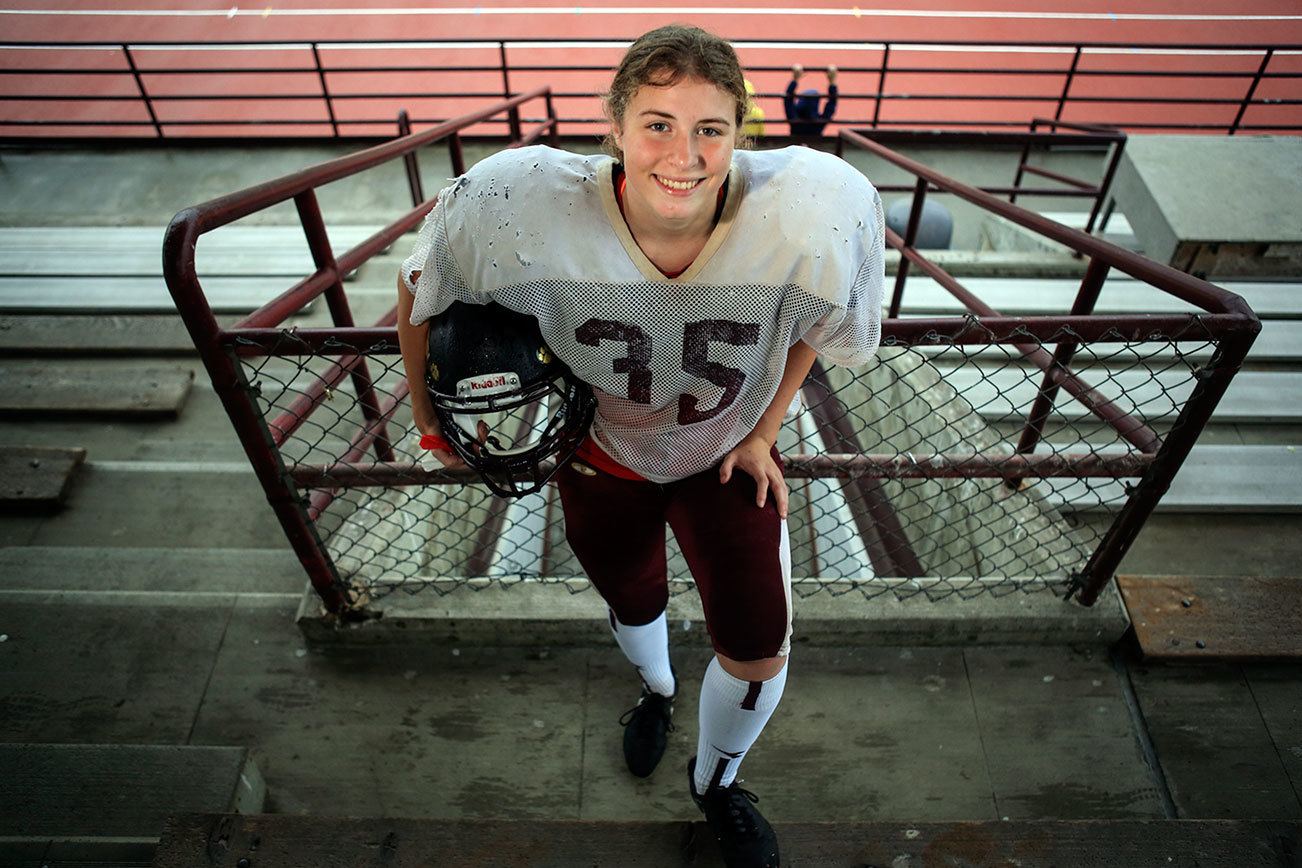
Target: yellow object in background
{"points": [[753, 123]]}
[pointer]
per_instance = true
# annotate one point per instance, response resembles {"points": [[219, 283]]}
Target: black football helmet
{"points": [[504, 401]]}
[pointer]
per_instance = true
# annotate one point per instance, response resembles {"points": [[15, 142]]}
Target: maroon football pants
{"points": [[738, 552]]}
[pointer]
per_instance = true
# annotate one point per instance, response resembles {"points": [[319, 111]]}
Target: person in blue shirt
{"points": [[802, 111]]}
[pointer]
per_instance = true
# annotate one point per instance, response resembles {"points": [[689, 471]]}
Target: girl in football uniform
{"points": [[691, 284]]}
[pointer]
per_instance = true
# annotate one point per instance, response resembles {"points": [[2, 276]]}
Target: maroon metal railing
{"points": [[1228, 318], [368, 459], [219, 346], [1088, 136], [136, 109]]}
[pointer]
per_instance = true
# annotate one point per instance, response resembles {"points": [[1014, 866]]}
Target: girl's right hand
{"points": [[428, 424]]}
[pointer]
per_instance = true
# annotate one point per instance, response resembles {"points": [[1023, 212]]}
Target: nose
{"points": [[685, 153]]}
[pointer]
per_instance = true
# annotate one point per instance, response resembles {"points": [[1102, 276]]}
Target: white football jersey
{"points": [[682, 367]]}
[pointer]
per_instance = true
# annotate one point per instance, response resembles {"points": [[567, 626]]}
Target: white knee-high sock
{"points": [[733, 714], [647, 647]]}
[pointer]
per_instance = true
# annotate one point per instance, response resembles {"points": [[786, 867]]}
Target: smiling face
{"points": [[677, 142]]}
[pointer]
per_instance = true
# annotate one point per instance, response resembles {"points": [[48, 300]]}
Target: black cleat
{"points": [[646, 731], [745, 837]]}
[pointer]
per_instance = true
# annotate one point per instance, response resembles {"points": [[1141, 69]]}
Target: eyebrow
{"points": [[661, 114]]}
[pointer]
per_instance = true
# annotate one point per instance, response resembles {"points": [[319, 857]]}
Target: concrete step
{"points": [[960, 611], [1118, 230], [119, 790], [92, 389], [36, 477], [156, 504], [150, 572], [290, 842]]}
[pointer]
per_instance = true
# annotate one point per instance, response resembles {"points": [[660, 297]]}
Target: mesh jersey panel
{"points": [[683, 367]]}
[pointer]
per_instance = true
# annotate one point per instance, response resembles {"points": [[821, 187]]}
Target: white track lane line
{"points": [[900, 47]]}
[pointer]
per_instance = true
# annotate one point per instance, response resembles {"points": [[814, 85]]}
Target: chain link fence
{"points": [[904, 474]]}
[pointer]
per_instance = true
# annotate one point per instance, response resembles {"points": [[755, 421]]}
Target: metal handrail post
{"points": [[455, 155], [1212, 384], [325, 91], [1105, 187], [409, 160], [1095, 274], [881, 85], [1066, 86], [875, 518], [319, 243], [1021, 163], [140, 86], [513, 113], [1252, 89], [236, 395], [553, 137], [910, 235]]}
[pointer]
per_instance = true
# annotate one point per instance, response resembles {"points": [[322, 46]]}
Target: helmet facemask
{"points": [[504, 437], [504, 403]]}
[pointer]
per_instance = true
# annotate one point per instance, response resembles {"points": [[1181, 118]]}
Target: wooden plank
{"points": [[88, 389], [77, 852], [1191, 617], [132, 295], [288, 842], [119, 790], [1216, 752], [36, 475]]}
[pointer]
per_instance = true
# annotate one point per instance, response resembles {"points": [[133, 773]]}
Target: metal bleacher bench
{"points": [[118, 269], [1216, 479], [1272, 300]]}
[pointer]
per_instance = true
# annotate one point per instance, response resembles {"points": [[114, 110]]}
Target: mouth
{"points": [[678, 187]]}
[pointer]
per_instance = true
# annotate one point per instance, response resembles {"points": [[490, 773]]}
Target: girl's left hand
{"points": [[754, 457]]}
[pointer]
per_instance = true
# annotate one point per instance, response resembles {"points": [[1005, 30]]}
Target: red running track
{"points": [[1162, 22]]}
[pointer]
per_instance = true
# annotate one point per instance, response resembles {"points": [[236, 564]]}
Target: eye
{"points": [[657, 126], [712, 132]]}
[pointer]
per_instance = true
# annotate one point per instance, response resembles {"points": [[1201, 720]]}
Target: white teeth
{"points": [[678, 185]]}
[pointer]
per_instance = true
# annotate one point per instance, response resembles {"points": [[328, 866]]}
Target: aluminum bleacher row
{"points": [[118, 269], [77, 291]]}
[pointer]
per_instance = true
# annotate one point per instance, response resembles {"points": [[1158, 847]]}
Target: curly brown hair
{"points": [[664, 57]]}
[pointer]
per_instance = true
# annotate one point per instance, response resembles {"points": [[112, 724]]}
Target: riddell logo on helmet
{"points": [[495, 381], [486, 385]]}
